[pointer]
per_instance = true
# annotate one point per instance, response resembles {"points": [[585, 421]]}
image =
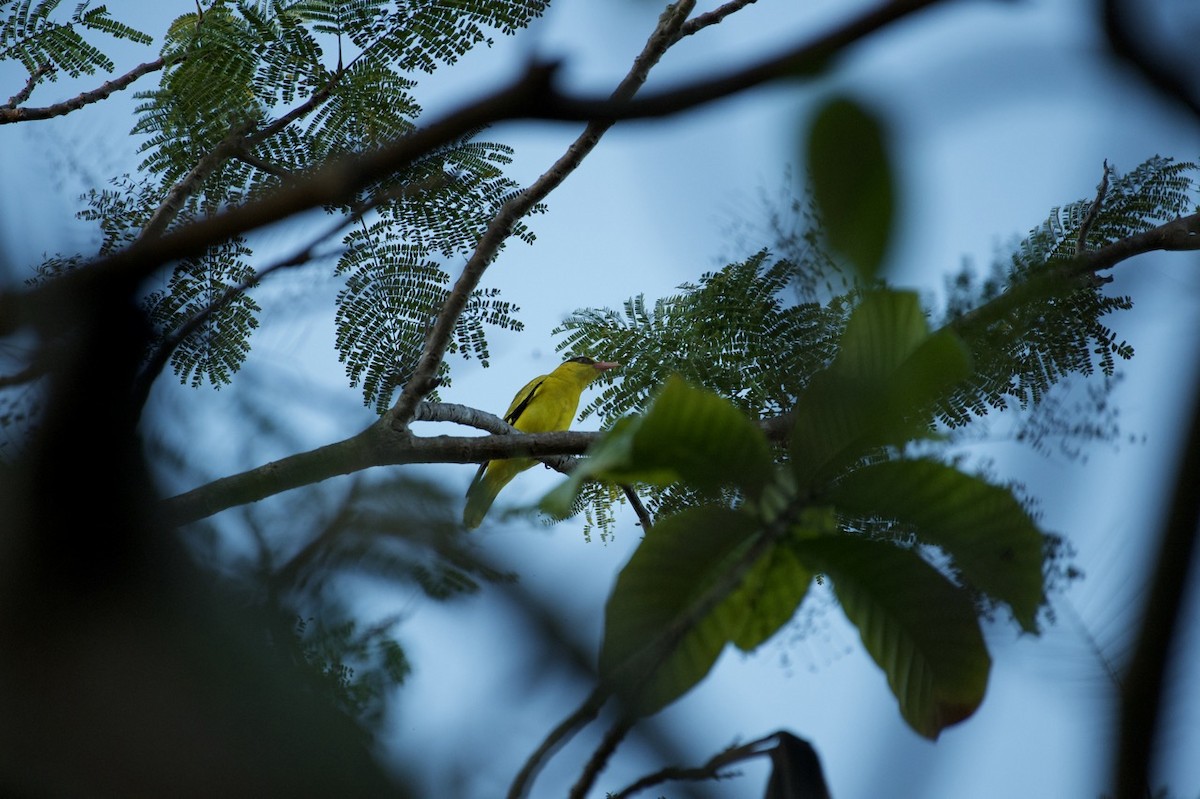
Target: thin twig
{"points": [[1085, 227], [557, 737], [701, 21], [23, 95], [712, 770], [600, 757], [190, 183], [10, 115], [421, 382], [636, 503]]}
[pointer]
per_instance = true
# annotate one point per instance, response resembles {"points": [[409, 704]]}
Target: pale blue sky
{"points": [[1000, 112]]}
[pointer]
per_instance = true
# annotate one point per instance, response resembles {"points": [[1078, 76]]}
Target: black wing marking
{"points": [[523, 404]]}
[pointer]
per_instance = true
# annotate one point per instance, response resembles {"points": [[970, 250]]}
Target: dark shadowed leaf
{"points": [[920, 628], [878, 391], [661, 634], [852, 183], [991, 539]]}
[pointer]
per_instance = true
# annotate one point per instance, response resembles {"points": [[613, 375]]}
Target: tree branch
{"points": [[1182, 234], [9, 115], [531, 96], [557, 737], [421, 382], [599, 759], [701, 21], [23, 95], [712, 770], [378, 445], [1144, 684]]}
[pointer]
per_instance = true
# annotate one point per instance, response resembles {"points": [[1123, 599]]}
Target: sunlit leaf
{"points": [[920, 628]]}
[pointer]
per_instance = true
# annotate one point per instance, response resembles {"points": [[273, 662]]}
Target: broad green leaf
{"points": [[687, 434], [878, 391], [662, 628], [769, 595], [919, 627], [852, 183], [993, 542], [884, 330]]}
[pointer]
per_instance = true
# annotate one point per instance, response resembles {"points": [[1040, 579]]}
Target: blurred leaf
{"points": [[993, 542], [920, 628], [852, 183], [878, 391], [658, 639], [687, 434], [796, 771]]}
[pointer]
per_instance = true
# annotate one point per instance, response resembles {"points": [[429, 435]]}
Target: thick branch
{"points": [[422, 380], [378, 445], [9, 115]]}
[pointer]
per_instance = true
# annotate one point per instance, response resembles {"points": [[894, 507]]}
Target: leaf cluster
{"points": [[734, 332], [718, 572], [256, 91], [395, 284], [1059, 330], [45, 47]]}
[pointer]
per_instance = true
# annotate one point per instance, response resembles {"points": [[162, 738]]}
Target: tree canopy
{"points": [[783, 424]]}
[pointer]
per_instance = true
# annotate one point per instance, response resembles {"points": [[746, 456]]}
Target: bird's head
{"points": [[599, 366]]}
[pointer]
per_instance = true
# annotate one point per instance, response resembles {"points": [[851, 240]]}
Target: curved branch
{"points": [[378, 445], [10, 115], [531, 96], [499, 230], [1179, 235]]}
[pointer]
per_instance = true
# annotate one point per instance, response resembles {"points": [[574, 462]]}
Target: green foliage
{"points": [[356, 666], [251, 95], [28, 35], [852, 183], [715, 574], [921, 629], [394, 284], [1058, 330], [663, 630], [734, 333], [990, 539], [686, 435], [217, 348], [877, 392]]}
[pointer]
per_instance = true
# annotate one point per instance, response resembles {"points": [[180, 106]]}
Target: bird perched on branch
{"points": [[547, 403]]}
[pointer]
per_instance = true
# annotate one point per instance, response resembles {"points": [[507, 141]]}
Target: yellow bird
{"points": [[546, 403]]}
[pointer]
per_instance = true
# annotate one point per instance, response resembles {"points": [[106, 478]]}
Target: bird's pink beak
{"points": [[604, 366]]}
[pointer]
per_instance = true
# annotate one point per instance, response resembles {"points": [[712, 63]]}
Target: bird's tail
{"points": [[480, 496]]}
